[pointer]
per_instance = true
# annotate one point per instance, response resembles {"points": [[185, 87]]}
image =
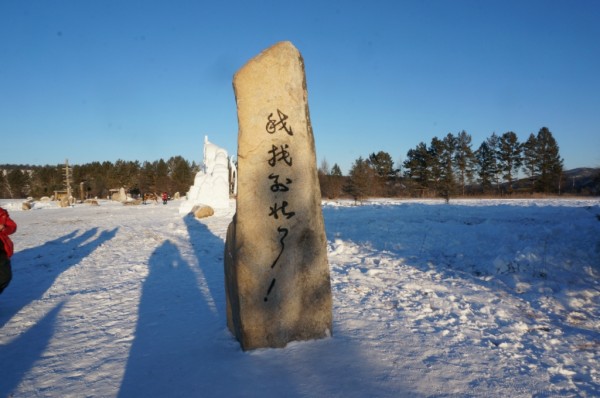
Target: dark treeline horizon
{"points": [[450, 167], [96, 179], [443, 167]]}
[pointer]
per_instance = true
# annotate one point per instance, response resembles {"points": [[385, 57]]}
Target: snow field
{"points": [[515, 282], [488, 298]]}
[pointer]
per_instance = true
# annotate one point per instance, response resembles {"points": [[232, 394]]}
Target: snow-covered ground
{"points": [[495, 298]]}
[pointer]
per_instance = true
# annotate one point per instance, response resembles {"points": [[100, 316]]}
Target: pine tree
{"points": [[493, 143], [550, 165], [441, 165], [509, 158], [464, 159], [161, 176], [336, 181], [45, 180], [417, 166], [336, 171], [360, 184], [180, 173], [448, 181], [436, 149], [383, 164], [486, 159], [4, 186], [18, 183], [530, 159], [123, 173]]}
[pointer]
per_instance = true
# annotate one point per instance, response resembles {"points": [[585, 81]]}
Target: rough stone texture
{"points": [[120, 196], [203, 211], [277, 275]]}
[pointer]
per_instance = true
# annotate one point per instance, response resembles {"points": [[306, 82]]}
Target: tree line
{"points": [[450, 166], [96, 179], [443, 168]]}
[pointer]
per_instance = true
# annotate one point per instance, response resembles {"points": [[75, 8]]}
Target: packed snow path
{"points": [[475, 298]]}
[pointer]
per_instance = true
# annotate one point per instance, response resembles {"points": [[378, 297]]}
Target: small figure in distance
{"points": [[165, 197]]}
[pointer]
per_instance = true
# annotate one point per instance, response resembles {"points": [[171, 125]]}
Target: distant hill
{"points": [[583, 180], [580, 181]]}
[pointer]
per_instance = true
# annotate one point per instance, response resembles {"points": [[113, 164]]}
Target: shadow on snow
{"points": [[20, 355], [47, 262], [183, 348], [34, 272], [181, 321]]}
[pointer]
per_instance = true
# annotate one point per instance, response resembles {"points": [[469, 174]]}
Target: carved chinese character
{"points": [[279, 186], [275, 209], [272, 124], [284, 232], [280, 153]]}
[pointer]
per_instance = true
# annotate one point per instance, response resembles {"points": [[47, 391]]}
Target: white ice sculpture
{"points": [[211, 184]]}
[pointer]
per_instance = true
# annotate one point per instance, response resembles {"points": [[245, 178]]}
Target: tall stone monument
{"points": [[276, 270]]}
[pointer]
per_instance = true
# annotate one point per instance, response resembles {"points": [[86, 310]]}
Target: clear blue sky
{"points": [[143, 80]]}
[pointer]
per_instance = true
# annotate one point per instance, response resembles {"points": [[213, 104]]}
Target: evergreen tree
{"points": [[486, 169], [180, 173], [509, 158], [550, 164], [464, 159], [336, 182], [441, 165], [18, 183], [383, 164], [45, 180], [161, 176], [361, 176], [4, 187], [121, 174], [95, 179], [147, 178], [493, 143], [196, 168], [436, 148], [448, 182], [336, 171], [417, 166], [94, 182], [530, 159], [103, 180]]}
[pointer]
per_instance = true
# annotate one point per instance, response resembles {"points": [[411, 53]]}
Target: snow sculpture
{"points": [[211, 184]]}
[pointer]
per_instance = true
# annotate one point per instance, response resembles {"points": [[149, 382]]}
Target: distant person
{"points": [[7, 227], [165, 197]]}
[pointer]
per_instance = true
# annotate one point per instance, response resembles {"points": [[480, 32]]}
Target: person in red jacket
{"points": [[7, 227]]}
